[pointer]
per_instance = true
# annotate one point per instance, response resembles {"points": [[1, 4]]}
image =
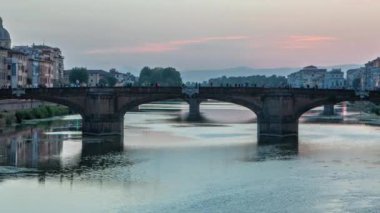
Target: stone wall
{"points": [[14, 105]]}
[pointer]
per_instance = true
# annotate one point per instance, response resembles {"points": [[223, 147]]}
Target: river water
{"points": [[169, 165]]}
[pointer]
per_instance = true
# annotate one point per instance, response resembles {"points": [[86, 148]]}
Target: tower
{"points": [[5, 38]]}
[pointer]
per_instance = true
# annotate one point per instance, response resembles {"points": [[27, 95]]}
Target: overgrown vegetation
{"points": [[78, 75], [376, 110], [41, 112], [364, 106], [7, 118]]}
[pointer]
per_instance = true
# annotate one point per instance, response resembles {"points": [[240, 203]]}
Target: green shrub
{"points": [[8, 120], [40, 113], [50, 111], [19, 116], [36, 113], [375, 110]]}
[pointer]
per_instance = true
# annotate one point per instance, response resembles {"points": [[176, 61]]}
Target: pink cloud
{"points": [[306, 41], [312, 38], [206, 39], [164, 46]]}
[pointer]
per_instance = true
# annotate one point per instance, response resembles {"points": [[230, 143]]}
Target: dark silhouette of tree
{"points": [[161, 76], [111, 81], [79, 74], [103, 82]]}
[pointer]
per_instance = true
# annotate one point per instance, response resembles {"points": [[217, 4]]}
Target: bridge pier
{"points": [[277, 123], [95, 125], [101, 116], [194, 108], [272, 132], [328, 110]]}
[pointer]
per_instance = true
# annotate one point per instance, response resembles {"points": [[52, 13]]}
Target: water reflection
{"points": [[258, 153], [36, 148], [33, 148], [30, 148], [102, 145], [166, 165], [283, 151], [46, 148], [270, 140]]}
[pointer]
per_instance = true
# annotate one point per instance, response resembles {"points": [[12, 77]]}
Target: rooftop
{"points": [[100, 72], [311, 67]]}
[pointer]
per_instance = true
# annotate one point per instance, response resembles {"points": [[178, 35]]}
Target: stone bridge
{"points": [[277, 109]]}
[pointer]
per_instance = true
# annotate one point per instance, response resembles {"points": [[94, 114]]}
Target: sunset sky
{"points": [[199, 34]]}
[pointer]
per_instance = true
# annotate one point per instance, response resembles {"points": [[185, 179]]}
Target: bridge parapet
{"points": [[101, 91], [362, 94], [190, 91]]}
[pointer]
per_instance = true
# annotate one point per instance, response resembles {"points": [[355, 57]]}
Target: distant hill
{"points": [[204, 75]]}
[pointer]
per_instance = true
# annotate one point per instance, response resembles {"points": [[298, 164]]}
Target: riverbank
{"points": [[9, 118], [364, 106]]}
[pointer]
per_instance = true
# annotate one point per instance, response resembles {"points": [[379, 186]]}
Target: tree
{"points": [[162, 76], [78, 74], [111, 80], [103, 82], [145, 76]]}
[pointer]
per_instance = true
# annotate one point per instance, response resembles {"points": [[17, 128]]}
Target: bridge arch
{"points": [[305, 108], [327, 101], [241, 114], [71, 105], [131, 104], [193, 102], [247, 103]]}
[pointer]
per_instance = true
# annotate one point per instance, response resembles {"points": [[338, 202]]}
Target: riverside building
{"points": [[29, 66], [308, 77]]}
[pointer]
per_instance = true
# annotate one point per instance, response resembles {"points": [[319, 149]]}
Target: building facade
{"points": [[123, 79], [4, 68], [16, 63], [334, 79], [314, 77], [355, 78], [46, 73], [45, 65], [365, 78], [308, 77], [53, 55], [95, 77]]}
